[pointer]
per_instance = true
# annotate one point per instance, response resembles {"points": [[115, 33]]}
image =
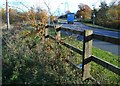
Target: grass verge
{"points": [[101, 74], [100, 27]]}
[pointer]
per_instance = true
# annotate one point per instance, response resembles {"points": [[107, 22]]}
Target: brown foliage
{"points": [[31, 16], [85, 11], [52, 18], [42, 16]]}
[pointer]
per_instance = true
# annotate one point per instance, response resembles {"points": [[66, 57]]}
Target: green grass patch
{"points": [[101, 74], [105, 55], [101, 27]]}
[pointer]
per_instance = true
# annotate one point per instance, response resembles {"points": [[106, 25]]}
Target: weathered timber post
{"points": [[46, 34], [87, 52], [43, 35], [58, 38], [58, 33]]}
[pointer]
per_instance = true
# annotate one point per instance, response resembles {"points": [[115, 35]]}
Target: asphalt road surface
{"points": [[114, 49]]}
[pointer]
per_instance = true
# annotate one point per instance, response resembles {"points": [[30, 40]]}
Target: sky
{"points": [[57, 7]]}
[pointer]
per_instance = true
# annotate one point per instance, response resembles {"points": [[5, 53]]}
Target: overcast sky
{"points": [[56, 6]]}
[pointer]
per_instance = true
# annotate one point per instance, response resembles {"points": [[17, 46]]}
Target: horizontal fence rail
{"points": [[112, 40], [106, 65], [68, 46], [68, 29], [87, 49]]}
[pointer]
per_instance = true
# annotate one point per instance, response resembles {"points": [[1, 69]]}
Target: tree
{"points": [[31, 14], [41, 15], [52, 18], [108, 16], [84, 11], [22, 16], [101, 15], [103, 5], [3, 12], [13, 15]]}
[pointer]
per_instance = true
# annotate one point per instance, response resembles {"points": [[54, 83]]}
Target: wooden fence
{"points": [[86, 53]]}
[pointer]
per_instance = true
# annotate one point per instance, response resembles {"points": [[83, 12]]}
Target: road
{"points": [[114, 49]]}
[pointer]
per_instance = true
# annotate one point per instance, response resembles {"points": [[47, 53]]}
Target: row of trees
{"points": [[33, 15], [108, 16]]}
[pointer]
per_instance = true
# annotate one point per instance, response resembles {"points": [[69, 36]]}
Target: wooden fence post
{"points": [[46, 34], [58, 38], [87, 52], [58, 33]]}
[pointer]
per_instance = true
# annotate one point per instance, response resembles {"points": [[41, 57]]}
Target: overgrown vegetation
{"points": [[41, 64], [27, 59]]}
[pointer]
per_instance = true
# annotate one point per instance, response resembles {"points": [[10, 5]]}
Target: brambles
{"points": [[40, 64], [30, 60]]}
